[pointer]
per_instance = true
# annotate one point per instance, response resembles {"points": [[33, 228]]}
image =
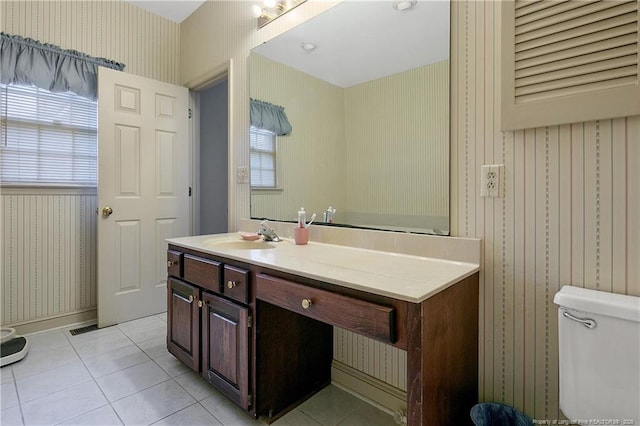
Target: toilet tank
{"points": [[599, 348]]}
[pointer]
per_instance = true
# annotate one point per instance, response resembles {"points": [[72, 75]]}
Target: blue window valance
{"points": [[266, 116], [25, 61]]}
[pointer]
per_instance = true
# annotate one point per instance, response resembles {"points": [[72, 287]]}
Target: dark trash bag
{"points": [[494, 414]]}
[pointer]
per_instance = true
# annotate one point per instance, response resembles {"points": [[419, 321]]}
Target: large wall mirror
{"points": [[365, 86]]}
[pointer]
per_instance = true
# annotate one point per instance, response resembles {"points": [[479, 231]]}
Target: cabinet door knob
{"points": [[171, 263], [190, 298], [199, 303], [231, 284], [306, 303]]}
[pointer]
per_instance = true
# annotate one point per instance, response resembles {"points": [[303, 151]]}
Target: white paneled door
{"points": [[143, 153]]}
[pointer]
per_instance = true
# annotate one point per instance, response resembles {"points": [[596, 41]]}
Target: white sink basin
{"points": [[240, 245]]}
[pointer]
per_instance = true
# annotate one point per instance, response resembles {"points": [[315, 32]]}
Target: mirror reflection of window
{"points": [[263, 158]]}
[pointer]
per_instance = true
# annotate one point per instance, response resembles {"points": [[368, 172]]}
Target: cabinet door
{"points": [[225, 347], [183, 322]]}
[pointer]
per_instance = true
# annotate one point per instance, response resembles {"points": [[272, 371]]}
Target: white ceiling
{"points": [[174, 10], [358, 41]]}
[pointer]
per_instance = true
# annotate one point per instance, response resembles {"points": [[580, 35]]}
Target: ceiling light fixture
{"points": [[268, 10], [404, 5]]}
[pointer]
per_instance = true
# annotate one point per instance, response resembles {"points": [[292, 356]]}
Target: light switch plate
{"points": [[492, 181], [243, 174]]}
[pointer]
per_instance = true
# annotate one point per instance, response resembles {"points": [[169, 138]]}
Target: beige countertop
{"points": [[400, 276]]}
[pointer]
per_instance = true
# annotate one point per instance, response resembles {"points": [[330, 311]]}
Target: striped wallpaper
{"points": [[146, 43], [48, 253], [569, 217]]}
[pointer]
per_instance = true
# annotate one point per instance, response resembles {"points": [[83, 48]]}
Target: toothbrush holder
{"points": [[301, 235]]}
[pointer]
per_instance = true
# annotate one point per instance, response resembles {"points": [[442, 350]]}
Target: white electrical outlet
{"points": [[492, 181], [243, 174]]}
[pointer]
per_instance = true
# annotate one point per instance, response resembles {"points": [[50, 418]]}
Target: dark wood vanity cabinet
{"points": [[264, 337], [225, 347], [183, 322], [205, 330]]}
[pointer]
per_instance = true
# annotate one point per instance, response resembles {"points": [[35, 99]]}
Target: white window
{"points": [[263, 158], [47, 138]]}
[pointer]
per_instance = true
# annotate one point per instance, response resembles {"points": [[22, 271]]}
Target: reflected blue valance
{"points": [[28, 62], [266, 116]]}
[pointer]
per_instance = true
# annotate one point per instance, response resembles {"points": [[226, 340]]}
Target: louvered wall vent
{"points": [[563, 60]]}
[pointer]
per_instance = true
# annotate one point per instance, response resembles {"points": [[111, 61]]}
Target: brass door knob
{"points": [[306, 303], [231, 284], [107, 211]]}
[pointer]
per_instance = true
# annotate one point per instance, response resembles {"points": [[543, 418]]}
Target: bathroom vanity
{"points": [[255, 320]]}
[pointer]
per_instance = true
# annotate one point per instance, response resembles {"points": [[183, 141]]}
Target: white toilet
{"points": [[599, 343]]}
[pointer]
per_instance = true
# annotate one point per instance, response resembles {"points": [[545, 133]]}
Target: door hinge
{"points": [[190, 113], [189, 191], [249, 399], [249, 321]]}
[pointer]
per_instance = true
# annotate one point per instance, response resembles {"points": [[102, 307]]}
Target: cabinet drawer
{"points": [[366, 318], [174, 263], [203, 272], [235, 283]]}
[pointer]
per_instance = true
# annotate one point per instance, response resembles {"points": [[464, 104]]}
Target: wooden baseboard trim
{"points": [[384, 396], [79, 318]]}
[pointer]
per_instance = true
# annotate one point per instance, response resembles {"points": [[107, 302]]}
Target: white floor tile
{"points": [[145, 322], [44, 342], [194, 415], [8, 396], [368, 415], [197, 387], [63, 405], [295, 418], [11, 417], [101, 345], [6, 374], [154, 347], [330, 406], [162, 316], [227, 412], [110, 362], [145, 332], [38, 362], [171, 365], [102, 416], [152, 404], [131, 380], [50, 381]]}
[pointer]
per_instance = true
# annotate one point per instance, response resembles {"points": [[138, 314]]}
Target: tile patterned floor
{"points": [[124, 375]]}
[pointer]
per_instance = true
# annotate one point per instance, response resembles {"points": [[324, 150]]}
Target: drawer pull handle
{"points": [[190, 298], [231, 284], [171, 263], [306, 303], [199, 303]]}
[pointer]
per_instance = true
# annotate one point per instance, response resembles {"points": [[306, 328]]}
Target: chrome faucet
{"points": [[328, 214], [268, 233]]}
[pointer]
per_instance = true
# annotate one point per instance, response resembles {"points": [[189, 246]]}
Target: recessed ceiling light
{"points": [[308, 47], [403, 5]]}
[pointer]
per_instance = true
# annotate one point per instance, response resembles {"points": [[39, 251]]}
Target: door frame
{"points": [[205, 81]]}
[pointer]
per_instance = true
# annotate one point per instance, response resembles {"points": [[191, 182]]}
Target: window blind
{"points": [[47, 138], [263, 158]]}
